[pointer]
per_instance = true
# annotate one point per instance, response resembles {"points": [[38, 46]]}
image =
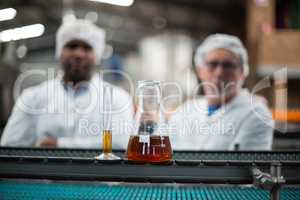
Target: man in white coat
{"points": [[66, 111], [226, 117]]}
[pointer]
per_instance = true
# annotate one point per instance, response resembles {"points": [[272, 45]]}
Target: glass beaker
{"points": [[107, 101], [149, 143]]}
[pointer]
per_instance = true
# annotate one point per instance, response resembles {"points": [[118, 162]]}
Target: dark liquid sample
{"points": [[107, 141], [149, 149]]}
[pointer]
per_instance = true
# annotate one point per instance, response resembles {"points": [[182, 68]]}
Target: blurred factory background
{"points": [[152, 39]]}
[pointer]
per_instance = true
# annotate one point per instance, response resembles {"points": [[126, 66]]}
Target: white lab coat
{"points": [[73, 117], [239, 122]]}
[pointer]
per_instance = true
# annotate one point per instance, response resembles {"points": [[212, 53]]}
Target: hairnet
{"points": [[224, 41], [81, 30]]}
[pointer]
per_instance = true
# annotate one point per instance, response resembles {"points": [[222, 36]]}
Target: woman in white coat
{"points": [[226, 117]]}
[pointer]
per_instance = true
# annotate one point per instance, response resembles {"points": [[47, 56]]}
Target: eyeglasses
{"points": [[226, 64]]}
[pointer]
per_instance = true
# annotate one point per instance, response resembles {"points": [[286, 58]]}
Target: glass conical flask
{"points": [[149, 143], [107, 125]]}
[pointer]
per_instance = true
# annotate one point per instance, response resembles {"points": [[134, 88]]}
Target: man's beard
{"points": [[77, 71]]}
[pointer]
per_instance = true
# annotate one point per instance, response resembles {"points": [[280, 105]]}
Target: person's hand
{"points": [[48, 142]]}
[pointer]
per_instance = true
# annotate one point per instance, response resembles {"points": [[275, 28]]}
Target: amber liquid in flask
{"points": [[148, 144], [150, 149]]}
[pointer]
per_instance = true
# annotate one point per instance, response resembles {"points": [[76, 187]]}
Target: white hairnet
{"points": [[81, 30], [224, 41]]}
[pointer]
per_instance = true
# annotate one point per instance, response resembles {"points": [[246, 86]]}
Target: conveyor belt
{"points": [[10, 190], [187, 167], [214, 167], [178, 155]]}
